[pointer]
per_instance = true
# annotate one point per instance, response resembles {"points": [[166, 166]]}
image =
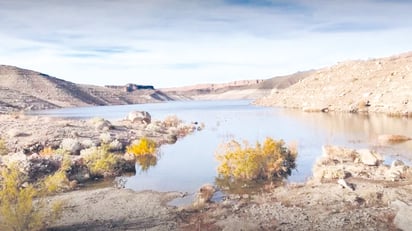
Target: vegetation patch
{"points": [[268, 161], [3, 148], [142, 147], [24, 208], [100, 161]]}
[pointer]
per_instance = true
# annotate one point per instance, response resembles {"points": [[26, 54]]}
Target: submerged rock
{"points": [[393, 138], [204, 195]]}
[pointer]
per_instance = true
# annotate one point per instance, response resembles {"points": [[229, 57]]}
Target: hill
{"points": [[375, 85], [242, 89], [23, 89]]}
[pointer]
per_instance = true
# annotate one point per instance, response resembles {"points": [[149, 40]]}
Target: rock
{"points": [[78, 171], [71, 145], [101, 124], [116, 145], [397, 171], [18, 159], [204, 195], [369, 157], [40, 167], [393, 138], [403, 218], [139, 117], [338, 154], [346, 185]]}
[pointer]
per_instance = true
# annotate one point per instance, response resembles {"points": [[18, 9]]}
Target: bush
{"points": [[100, 161], [47, 151], [268, 161], [18, 209], [56, 182], [3, 148], [142, 147]]}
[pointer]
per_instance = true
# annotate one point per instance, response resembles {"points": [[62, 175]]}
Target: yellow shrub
{"points": [[100, 161], [3, 148], [18, 211], [47, 151], [267, 161], [143, 147], [56, 182]]}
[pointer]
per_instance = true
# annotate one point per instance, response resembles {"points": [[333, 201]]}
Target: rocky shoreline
{"points": [[349, 190], [41, 144], [370, 198]]}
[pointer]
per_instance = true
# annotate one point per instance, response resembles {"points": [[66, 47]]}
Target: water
{"points": [[189, 163]]}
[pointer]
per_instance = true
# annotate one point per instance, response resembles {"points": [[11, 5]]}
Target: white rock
{"points": [[369, 157], [345, 184]]}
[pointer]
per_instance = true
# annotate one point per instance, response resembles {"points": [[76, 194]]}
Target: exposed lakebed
{"points": [[189, 163]]}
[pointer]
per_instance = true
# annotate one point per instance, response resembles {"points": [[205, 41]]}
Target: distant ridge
{"points": [[23, 89], [242, 89]]}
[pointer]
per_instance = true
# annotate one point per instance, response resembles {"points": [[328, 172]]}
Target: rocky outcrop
{"points": [[376, 85], [340, 163]]}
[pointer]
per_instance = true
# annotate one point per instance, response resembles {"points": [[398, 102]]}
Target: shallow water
{"points": [[189, 163]]}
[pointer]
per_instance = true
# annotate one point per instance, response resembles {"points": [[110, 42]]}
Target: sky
{"points": [[168, 43]]}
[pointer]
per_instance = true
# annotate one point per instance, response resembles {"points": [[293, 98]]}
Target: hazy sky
{"points": [[181, 42]]}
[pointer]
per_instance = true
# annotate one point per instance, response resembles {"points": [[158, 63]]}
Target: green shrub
{"points": [[3, 148], [268, 161], [100, 161], [23, 208]]}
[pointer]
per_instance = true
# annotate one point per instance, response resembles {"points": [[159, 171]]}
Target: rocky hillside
{"points": [[244, 89], [375, 85], [23, 89]]}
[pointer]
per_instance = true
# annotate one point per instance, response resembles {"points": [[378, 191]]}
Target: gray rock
{"points": [[403, 219], [204, 195], [139, 117], [71, 145]]}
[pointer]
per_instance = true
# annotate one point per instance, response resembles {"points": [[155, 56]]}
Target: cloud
{"points": [[196, 41]]}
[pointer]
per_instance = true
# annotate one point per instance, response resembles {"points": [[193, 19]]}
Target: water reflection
{"points": [[237, 186], [358, 130], [146, 161]]}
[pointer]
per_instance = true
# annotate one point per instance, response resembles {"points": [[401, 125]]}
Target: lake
{"points": [[190, 163]]}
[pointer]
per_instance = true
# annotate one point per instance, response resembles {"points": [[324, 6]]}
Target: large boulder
{"points": [[403, 218], [71, 145], [139, 117], [369, 157], [397, 171]]}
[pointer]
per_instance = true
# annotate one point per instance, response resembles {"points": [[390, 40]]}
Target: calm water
{"points": [[189, 163]]}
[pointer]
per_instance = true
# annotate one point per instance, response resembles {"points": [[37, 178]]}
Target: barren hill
{"points": [[23, 89], [375, 85], [242, 89]]}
